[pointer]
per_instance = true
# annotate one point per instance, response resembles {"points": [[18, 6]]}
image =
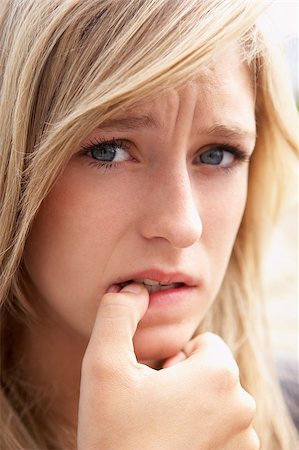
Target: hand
{"points": [[195, 404]]}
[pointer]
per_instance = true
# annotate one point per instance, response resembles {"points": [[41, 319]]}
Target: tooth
{"points": [[155, 288], [167, 286], [170, 286], [147, 281], [151, 285], [151, 288]]}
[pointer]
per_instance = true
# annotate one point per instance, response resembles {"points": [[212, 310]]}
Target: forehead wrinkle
{"points": [[131, 123], [148, 121]]}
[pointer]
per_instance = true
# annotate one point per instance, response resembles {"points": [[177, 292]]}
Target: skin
{"points": [[194, 404], [156, 209]]}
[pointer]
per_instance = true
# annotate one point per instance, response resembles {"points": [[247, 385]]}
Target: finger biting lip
{"points": [[152, 285], [158, 281]]}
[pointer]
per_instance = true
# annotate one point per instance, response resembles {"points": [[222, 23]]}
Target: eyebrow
{"points": [[230, 131], [233, 130]]}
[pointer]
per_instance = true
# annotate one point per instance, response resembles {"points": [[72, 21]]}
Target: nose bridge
{"points": [[172, 209]]}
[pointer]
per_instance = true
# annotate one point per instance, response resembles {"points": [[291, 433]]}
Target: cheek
{"points": [[223, 218], [222, 212], [222, 202], [72, 240]]}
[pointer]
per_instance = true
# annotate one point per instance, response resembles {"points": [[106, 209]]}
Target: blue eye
{"points": [[108, 151], [107, 154], [103, 153], [221, 155], [214, 157]]}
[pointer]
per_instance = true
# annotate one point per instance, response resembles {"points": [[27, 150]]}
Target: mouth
{"points": [[173, 291], [152, 285]]}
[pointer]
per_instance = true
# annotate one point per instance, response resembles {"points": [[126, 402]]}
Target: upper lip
{"points": [[162, 276]]}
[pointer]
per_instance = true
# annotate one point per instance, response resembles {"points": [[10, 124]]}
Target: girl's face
{"points": [[157, 193]]}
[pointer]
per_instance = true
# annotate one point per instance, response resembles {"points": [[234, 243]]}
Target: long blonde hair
{"points": [[67, 65]]}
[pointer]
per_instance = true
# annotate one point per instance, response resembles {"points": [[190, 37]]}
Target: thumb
{"points": [[111, 341]]}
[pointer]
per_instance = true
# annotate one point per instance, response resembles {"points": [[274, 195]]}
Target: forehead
{"points": [[220, 93]]}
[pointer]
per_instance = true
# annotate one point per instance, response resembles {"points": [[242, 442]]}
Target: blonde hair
{"points": [[67, 65]]}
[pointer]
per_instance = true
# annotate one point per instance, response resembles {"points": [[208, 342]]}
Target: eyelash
{"points": [[239, 154], [113, 143]]}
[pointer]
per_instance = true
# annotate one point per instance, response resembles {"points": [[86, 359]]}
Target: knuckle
{"points": [[112, 305], [91, 365], [246, 439], [248, 410], [212, 338], [226, 377], [251, 404], [253, 440], [118, 308], [117, 305], [107, 380], [205, 341], [96, 366]]}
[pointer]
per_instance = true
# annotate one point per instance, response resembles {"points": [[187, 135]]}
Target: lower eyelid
{"points": [[105, 167]]}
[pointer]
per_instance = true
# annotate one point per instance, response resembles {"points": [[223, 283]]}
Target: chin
{"points": [[160, 343]]}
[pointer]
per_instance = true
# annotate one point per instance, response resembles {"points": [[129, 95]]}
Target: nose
{"points": [[171, 211]]}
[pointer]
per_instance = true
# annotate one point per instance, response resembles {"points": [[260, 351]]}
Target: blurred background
{"points": [[281, 22]]}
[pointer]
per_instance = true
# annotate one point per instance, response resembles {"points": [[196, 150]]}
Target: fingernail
{"points": [[133, 287]]}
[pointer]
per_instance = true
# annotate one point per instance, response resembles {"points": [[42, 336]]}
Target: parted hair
{"points": [[68, 65]]}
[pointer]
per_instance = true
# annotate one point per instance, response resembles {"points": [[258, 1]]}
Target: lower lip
{"points": [[168, 297]]}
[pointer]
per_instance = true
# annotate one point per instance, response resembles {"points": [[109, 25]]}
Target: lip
{"points": [[163, 277], [172, 296]]}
